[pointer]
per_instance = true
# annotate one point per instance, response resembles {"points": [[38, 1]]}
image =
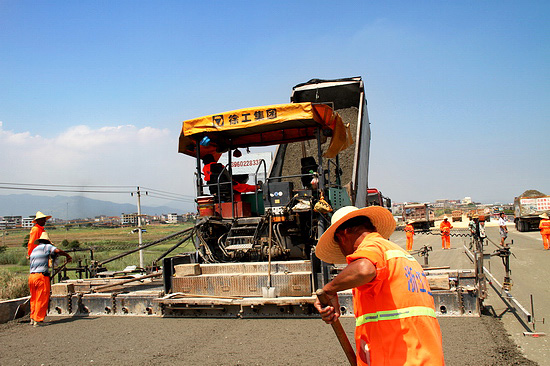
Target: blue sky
{"points": [[94, 92]]}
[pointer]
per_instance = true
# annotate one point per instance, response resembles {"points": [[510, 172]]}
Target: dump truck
{"points": [[421, 214], [456, 215], [376, 198], [527, 209]]}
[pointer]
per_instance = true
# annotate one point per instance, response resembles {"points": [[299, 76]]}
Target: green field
{"points": [[106, 243]]}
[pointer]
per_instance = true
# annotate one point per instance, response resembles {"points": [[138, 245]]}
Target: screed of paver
{"points": [[169, 341]]}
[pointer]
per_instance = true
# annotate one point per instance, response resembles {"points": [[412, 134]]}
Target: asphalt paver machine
{"points": [[257, 249]]}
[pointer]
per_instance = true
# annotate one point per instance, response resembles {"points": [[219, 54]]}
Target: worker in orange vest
{"points": [[37, 230], [445, 228], [409, 232], [39, 278], [208, 160], [544, 226], [392, 301]]}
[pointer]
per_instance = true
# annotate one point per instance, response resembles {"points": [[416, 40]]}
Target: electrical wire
{"points": [[61, 190]]}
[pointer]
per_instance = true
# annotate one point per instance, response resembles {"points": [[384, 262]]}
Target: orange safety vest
{"points": [[206, 171], [36, 231], [544, 226], [445, 227], [395, 312], [409, 230]]}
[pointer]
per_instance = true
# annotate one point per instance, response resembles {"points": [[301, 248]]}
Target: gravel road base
{"points": [[176, 341]]}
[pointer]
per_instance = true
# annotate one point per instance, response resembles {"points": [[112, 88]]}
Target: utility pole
{"points": [[138, 194], [139, 227]]}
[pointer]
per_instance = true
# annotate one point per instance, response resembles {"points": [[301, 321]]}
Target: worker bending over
{"points": [[393, 305], [445, 228]]}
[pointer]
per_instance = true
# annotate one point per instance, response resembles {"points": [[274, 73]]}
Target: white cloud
{"points": [[110, 155]]}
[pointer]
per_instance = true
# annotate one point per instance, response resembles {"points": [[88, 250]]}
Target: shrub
{"points": [[13, 285], [64, 243], [73, 244]]}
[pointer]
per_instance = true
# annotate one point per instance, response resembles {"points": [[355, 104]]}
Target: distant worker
{"points": [[502, 228], [544, 227], [472, 225], [409, 232], [445, 228], [39, 278], [482, 233], [394, 307], [37, 230]]}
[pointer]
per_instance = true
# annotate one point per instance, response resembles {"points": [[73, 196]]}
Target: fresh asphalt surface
{"points": [[167, 341], [530, 276]]}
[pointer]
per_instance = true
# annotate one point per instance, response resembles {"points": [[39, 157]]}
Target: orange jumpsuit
{"points": [[394, 313], [544, 227], [40, 286], [36, 231], [445, 228], [409, 231]]}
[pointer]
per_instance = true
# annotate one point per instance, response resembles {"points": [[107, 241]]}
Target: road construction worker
{"points": [[37, 230], [394, 308], [208, 160], [544, 226], [445, 228], [503, 230], [39, 278], [409, 232]]}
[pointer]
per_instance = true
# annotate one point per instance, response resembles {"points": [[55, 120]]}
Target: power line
{"points": [[167, 193], [156, 193], [65, 185], [171, 198], [61, 190]]}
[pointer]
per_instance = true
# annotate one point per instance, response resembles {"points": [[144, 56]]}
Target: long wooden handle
{"points": [[338, 330], [102, 287]]}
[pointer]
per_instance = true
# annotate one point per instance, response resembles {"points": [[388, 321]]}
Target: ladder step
{"points": [[249, 227], [240, 237]]}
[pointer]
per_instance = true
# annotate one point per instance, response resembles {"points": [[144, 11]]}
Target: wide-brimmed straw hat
{"points": [[328, 249], [40, 215], [544, 215], [43, 236]]}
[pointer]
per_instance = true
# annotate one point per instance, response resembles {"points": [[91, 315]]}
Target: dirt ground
{"points": [[484, 341], [144, 341]]}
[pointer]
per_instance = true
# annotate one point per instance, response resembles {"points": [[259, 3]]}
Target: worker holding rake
{"points": [[393, 304], [39, 278]]}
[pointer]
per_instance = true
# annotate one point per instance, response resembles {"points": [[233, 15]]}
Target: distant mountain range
{"points": [[76, 207]]}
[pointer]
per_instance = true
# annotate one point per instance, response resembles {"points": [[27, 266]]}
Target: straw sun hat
{"points": [[328, 249], [40, 215], [43, 236], [544, 215]]}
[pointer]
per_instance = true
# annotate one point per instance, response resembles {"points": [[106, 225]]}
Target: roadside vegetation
{"points": [[105, 242]]}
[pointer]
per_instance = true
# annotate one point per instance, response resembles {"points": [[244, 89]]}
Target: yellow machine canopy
{"points": [[262, 126]]}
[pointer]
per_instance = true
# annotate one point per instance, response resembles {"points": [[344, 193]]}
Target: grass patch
{"points": [[14, 255], [106, 242], [13, 285]]}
